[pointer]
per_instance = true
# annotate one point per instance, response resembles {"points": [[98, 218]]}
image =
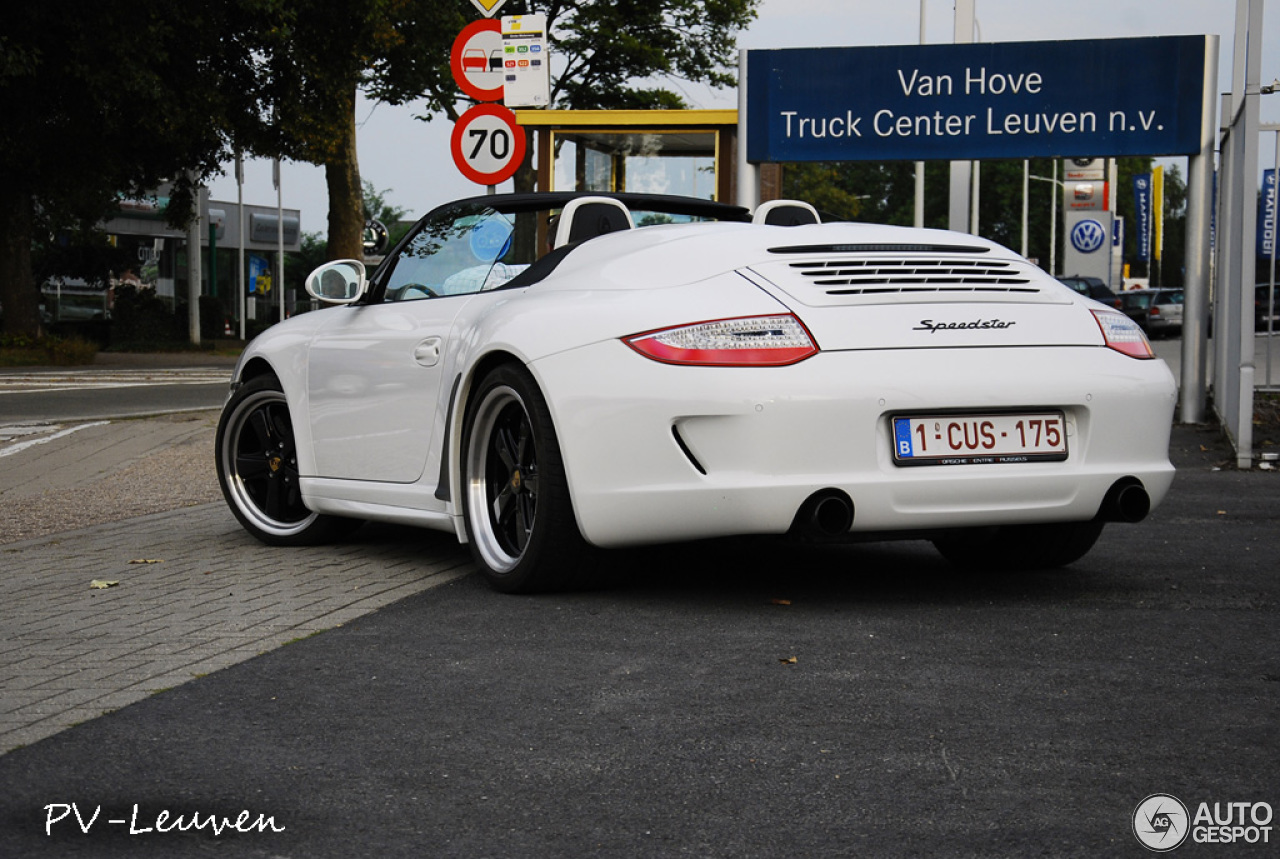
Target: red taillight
{"points": [[1123, 334], [752, 341]]}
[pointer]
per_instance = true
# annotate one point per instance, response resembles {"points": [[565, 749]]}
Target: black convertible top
{"points": [[668, 203]]}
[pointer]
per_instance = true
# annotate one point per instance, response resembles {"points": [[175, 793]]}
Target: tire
{"points": [[1020, 547], [258, 469], [516, 505]]}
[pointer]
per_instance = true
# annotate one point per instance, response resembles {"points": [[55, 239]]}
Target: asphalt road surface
{"points": [[84, 394], [735, 699]]}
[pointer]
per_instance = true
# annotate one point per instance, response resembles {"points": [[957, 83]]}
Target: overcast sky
{"points": [[409, 159]]}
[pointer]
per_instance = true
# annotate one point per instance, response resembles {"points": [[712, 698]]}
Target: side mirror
{"points": [[339, 282]]}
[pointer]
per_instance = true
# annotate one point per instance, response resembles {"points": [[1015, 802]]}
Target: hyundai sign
{"points": [[1099, 98]]}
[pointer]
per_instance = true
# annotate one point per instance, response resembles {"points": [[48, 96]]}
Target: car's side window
{"points": [[463, 251]]}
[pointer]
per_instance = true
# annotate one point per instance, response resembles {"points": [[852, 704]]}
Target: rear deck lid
{"points": [[921, 294]]}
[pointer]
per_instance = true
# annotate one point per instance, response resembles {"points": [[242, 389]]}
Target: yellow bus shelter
{"points": [[686, 152]]}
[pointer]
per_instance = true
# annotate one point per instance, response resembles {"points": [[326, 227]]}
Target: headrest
{"points": [[587, 217], [785, 213]]}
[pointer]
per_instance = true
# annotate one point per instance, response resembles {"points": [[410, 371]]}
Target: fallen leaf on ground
{"points": [[102, 584], [781, 602], [790, 660]]}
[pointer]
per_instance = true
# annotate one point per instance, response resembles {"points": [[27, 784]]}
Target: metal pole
{"points": [[279, 283], [1053, 223], [976, 198], [1026, 184], [748, 178], [1195, 314], [919, 214], [193, 274], [961, 171], [241, 294]]}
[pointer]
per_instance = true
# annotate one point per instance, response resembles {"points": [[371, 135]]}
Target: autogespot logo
{"points": [[1088, 236], [1160, 822]]}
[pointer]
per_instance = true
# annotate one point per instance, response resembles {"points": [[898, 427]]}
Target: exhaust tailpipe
{"points": [[825, 515], [1126, 501]]}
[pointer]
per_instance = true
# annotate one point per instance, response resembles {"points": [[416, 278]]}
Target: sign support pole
{"points": [[961, 171], [1195, 328], [747, 192], [919, 212]]}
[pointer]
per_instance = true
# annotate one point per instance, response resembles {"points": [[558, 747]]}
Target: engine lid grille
{"points": [[835, 274], [879, 276]]}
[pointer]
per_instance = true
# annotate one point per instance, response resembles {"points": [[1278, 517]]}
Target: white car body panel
{"points": [[768, 438], [656, 452]]}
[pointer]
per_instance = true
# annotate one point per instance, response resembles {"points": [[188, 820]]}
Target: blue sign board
{"points": [[1097, 98], [259, 275], [1267, 213], [1142, 214]]}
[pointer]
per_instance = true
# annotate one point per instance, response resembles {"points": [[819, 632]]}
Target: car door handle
{"points": [[427, 353]]}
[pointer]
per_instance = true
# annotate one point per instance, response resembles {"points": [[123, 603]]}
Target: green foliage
{"points": [[617, 54], [377, 208], [616, 50], [213, 320], [21, 351], [79, 251], [106, 98], [884, 193], [142, 321], [313, 253]]}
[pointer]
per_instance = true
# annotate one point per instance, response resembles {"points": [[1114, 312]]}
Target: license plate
{"points": [[979, 439]]}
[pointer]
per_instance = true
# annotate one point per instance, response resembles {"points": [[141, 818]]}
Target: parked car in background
{"points": [[1093, 287], [1157, 311]]}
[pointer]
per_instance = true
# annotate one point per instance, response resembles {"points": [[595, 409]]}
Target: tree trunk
{"points": [[342, 174], [18, 293]]}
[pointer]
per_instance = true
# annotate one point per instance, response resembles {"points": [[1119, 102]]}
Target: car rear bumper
{"points": [[656, 452]]}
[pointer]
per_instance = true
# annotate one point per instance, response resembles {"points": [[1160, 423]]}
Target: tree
{"points": [[377, 208], [101, 99], [319, 54], [612, 54]]}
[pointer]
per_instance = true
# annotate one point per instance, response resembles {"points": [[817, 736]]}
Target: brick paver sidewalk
{"points": [[195, 594]]}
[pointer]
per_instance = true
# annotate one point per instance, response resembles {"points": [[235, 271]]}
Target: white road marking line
{"points": [[23, 445], [15, 383]]}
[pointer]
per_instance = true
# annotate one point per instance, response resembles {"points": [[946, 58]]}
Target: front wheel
{"points": [[1020, 547], [257, 465], [519, 516]]}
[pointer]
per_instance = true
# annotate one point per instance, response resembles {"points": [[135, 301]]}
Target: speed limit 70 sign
{"points": [[487, 144]]}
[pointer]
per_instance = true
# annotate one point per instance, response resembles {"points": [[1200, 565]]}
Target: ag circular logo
{"points": [[1087, 236], [1161, 822]]}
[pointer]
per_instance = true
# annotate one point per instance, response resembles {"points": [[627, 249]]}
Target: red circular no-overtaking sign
{"points": [[476, 60]]}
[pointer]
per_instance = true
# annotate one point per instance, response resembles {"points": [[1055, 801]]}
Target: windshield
{"points": [[464, 249], [484, 243]]}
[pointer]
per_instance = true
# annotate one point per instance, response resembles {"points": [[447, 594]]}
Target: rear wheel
{"points": [[1020, 547], [519, 517], [257, 465]]}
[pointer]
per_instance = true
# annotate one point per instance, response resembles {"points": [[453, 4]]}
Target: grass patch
{"points": [[17, 351]]}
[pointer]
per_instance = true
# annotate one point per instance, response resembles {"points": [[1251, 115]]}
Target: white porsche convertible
{"points": [[551, 375]]}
